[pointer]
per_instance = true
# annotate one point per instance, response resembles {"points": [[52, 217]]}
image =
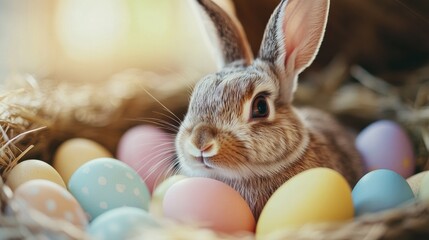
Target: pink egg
{"points": [[208, 203], [51, 200], [385, 145], [149, 151]]}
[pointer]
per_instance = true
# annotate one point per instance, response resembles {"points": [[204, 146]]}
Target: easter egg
{"points": [[121, 223], [159, 193], [415, 182], [313, 196], [149, 151], [209, 203], [385, 145], [424, 188], [380, 190], [51, 200], [106, 183], [32, 169], [74, 153]]}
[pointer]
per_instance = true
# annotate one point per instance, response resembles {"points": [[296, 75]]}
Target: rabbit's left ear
{"points": [[225, 33], [292, 39]]}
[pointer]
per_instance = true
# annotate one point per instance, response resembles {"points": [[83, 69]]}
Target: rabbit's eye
{"points": [[260, 108]]}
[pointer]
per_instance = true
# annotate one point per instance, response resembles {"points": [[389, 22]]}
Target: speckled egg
{"points": [[32, 169], [106, 183], [121, 223], [52, 200], [149, 151], [380, 190], [385, 145]]}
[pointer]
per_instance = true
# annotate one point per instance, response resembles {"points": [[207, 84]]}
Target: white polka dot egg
{"points": [[51, 200], [106, 183], [121, 223]]}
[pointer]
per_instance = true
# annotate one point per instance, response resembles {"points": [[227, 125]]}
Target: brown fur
{"points": [[218, 137]]}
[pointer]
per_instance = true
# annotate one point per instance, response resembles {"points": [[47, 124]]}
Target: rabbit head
{"points": [[240, 122]]}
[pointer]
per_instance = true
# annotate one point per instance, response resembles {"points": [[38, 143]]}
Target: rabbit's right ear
{"points": [[292, 39], [225, 33]]}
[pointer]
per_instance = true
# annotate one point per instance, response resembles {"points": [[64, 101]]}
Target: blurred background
{"points": [[386, 37], [82, 40]]}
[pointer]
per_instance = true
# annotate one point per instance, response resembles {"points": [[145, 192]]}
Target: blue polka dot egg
{"points": [[103, 184], [121, 223]]}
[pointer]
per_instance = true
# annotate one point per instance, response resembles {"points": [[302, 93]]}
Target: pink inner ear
{"points": [[303, 28], [290, 26]]}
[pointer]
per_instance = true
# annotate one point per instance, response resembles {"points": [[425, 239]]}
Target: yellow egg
{"points": [[74, 153], [415, 182], [159, 192], [32, 169], [313, 196]]}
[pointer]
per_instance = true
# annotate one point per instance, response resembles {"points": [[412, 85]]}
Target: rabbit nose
{"points": [[207, 147], [208, 150], [202, 141], [202, 135]]}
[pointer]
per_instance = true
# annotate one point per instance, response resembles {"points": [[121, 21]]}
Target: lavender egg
{"points": [[385, 145]]}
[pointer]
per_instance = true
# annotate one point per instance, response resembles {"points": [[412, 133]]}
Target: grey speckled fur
{"points": [[219, 139]]}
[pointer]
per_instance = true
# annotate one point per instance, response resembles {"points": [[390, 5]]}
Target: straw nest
{"points": [[35, 117]]}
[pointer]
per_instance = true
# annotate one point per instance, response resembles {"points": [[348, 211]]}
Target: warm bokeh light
{"points": [[80, 40], [25, 37], [91, 29]]}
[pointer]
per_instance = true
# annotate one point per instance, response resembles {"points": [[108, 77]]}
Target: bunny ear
{"points": [[226, 33], [292, 39]]}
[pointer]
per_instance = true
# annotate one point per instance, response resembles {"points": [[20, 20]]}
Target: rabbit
{"points": [[241, 127]]}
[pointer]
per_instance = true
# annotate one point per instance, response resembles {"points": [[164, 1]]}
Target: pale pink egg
{"points": [[208, 203], [149, 151], [51, 200]]}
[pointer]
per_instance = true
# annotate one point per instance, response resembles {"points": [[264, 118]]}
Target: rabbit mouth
{"points": [[208, 164]]}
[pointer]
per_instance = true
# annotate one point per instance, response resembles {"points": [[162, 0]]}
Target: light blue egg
{"points": [[121, 223], [380, 190], [106, 183]]}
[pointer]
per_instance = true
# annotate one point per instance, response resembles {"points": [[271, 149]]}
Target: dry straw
{"points": [[36, 116]]}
